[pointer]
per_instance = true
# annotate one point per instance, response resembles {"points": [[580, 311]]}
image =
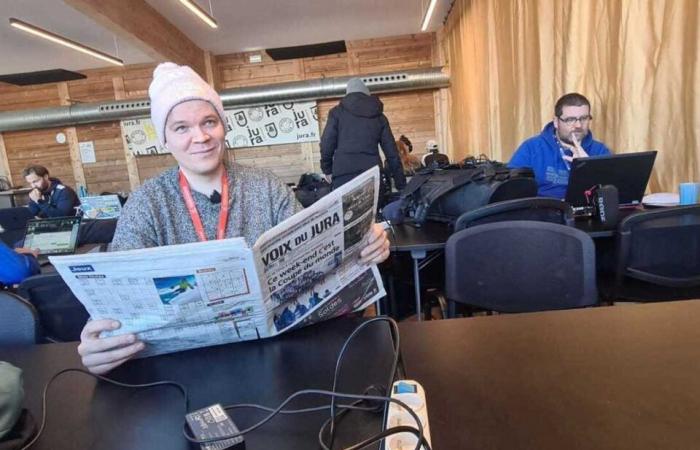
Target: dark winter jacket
{"points": [[349, 142], [59, 201]]}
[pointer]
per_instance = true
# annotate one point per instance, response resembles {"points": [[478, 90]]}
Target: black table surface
{"points": [[430, 236], [433, 235], [624, 377], [86, 414]]}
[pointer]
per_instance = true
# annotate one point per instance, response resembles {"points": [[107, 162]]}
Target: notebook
{"points": [[629, 172], [54, 236]]}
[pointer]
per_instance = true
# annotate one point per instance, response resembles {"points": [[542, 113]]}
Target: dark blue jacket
{"points": [[59, 201], [15, 267], [349, 142], [542, 154]]}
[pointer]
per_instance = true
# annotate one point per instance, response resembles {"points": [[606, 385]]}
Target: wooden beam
{"points": [[4, 162], [212, 70], [139, 23], [72, 141], [132, 167]]}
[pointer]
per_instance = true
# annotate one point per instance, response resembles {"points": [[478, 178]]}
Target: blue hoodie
{"points": [[542, 154], [15, 267]]}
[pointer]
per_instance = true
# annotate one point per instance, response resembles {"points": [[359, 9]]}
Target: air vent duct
{"points": [[318, 89]]}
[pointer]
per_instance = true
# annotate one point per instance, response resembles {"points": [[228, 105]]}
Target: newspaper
{"points": [[178, 297]]}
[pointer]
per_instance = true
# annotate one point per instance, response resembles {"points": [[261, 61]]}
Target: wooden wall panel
{"points": [[152, 165], [108, 173], [410, 113], [28, 97], [38, 147]]}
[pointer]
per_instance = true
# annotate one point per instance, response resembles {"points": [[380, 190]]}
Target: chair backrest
{"points": [[514, 188], [98, 231], [14, 222], [19, 322], [541, 209], [521, 266], [61, 315], [661, 247], [440, 159]]}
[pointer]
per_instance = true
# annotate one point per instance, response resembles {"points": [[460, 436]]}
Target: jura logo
{"points": [[79, 269]]}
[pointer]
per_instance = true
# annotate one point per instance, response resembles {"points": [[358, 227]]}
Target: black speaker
{"points": [[605, 200]]}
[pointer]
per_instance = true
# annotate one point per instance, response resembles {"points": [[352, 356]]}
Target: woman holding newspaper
{"points": [[204, 198]]}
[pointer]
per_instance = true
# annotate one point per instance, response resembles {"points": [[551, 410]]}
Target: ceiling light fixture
{"points": [[55, 38], [428, 15], [199, 12]]}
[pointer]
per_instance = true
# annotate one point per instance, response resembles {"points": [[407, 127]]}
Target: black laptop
{"points": [[55, 236], [629, 172]]}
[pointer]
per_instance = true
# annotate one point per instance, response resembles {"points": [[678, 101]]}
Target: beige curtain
{"points": [[637, 61]]}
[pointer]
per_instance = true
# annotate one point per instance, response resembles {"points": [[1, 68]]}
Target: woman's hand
{"points": [[377, 248], [100, 355]]}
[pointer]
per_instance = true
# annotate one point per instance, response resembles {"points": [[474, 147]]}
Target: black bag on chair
{"points": [[444, 194], [310, 188]]}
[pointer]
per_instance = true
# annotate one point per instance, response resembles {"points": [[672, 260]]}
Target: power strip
{"points": [[412, 394]]}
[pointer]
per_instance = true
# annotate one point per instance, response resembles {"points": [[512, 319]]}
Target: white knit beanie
{"points": [[172, 85]]}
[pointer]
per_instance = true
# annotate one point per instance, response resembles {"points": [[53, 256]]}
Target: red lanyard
{"points": [[192, 208]]}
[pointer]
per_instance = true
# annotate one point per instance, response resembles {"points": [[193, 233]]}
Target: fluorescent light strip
{"points": [[199, 12], [428, 15], [36, 31]]}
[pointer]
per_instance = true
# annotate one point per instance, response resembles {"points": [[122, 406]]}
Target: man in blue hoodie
{"points": [[354, 129], [49, 197], [566, 137]]}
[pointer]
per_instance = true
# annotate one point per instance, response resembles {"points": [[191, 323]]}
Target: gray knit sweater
{"points": [[156, 214]]}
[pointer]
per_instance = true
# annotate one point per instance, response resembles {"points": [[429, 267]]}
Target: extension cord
{"points": [[412, 394]]}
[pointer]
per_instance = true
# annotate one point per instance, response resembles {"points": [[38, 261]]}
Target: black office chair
{"points": [[435, 159], [97, 231], [520, 266], [541, 209], [19, 322], [61, 315], [657, 256], [14, 222]]}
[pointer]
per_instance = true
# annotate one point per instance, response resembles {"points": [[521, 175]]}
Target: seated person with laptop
{"points": [[49, 197], [566, 137]]}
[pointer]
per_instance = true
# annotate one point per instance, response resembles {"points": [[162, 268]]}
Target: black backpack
{"points": [[310, 188], [443, 194]]}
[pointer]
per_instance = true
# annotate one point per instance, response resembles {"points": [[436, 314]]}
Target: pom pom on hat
{"points": [[172, 85]]}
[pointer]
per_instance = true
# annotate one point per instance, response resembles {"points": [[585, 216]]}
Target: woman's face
{"points": [[194, 134]]}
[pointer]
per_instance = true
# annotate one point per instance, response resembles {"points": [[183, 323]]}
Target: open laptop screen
{"points": [[629, 172], [55, 236]]}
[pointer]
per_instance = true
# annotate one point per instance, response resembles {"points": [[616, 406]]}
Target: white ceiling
{"points": [[244, 25]]}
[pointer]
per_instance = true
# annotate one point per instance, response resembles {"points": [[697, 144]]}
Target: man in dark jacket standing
{"points": [[349, 142], [49, 197]]}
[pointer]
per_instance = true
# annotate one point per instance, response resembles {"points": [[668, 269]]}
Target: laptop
{"points": [[101, 207], [629, 172], [55, 236]]}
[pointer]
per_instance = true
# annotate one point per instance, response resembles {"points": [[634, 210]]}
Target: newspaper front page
{"points": [[304, 270]]}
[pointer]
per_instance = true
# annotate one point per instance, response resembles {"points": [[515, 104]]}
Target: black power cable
{"points": [[182, 389], [344, 408]]}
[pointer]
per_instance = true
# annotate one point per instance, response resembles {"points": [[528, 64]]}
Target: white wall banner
{"points": [[140, 137], [272, 124], [256, 126]]}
